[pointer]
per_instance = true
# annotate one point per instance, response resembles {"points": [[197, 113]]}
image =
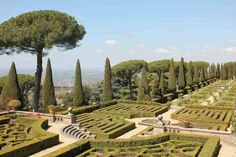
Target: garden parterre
{"points": [[133, 110], [205, 117], [104, 126], [171, 145], [24, 135]]}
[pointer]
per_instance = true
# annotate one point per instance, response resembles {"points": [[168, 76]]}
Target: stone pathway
{"points": [[64, 140]]}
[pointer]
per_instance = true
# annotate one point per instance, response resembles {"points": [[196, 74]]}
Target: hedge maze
{"points": [[14, 134], [133, 110], [21, 136], [104, 126], [162, 145], [168, 148], [205, 117]]}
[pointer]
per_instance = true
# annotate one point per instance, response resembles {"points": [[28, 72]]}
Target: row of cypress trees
{"points": [[11, 89], [189, 76]]}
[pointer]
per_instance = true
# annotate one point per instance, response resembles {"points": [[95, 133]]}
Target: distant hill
{"points": [[65, 78]]}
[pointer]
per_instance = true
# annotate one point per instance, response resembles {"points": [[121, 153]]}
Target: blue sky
{"points": [[137, 29]]}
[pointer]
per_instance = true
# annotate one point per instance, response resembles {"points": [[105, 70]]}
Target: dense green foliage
{"points": [[36, 32], [143, 89], [202, 76], [78, 93], [26, 83], [155, 85], [107, 87], [182, 78], [48, 96], [162, 84], [196, 75], [189, 75], [172, 78], [125, 72], [11, 89]]}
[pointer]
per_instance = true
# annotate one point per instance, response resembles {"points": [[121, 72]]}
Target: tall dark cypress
{"points": [[206, 73], [143, 85], [162, 84], [78, 93], [11, 89], [48, 88], [224, 72], [172, 77], [196, 75], [189, 74], [218, 70], [202, 77], [107, 86], [182, 79]]}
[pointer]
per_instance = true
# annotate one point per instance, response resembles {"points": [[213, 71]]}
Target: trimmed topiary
{"points": [[11, 89], [143, 85], [107, 86], [189, 75], [182, 79], [14, 104], [48, 88], [78, 93], [172, 78]]}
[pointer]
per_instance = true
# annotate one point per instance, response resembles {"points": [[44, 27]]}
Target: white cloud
{"points": [[162, 50], [230, 49], [111, 42]]}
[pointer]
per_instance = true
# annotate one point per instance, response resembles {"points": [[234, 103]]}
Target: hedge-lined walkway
{"points": [[64, 140]]}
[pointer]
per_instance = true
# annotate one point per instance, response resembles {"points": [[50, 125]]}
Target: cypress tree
{"points": [[196, 75], [155, 87], [224, 72], [172, 77], [205, 73], [107, 86], [218, 70], [202, 78], [11, 89], [221, 72], [162, 84], [48, 88], [190, 75], [78, 93], [182, 79], [143, 85]]}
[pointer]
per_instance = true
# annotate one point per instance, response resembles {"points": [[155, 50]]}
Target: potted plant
{"points": [[14, 104], [52, 109]]}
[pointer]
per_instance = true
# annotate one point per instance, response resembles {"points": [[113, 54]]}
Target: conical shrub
{"points": [[11, 89], [202, 77], [48, 88], [172, 77], [143, 85], [78, 93], [107, 86], [162, 84], [189, 74], [196, 75], [182, 79]]}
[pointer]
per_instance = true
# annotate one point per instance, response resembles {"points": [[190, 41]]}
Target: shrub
{"points": [[14, 104]]}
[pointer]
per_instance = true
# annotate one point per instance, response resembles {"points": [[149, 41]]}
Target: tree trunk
{"points": [[38, 76]]}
